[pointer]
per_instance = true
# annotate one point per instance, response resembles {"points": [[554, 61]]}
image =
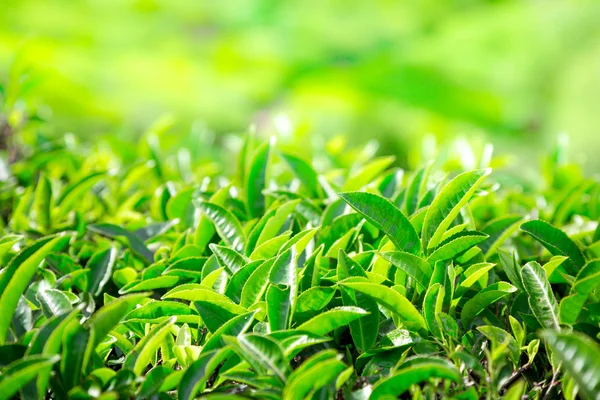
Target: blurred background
{"points": [[515, 72]]}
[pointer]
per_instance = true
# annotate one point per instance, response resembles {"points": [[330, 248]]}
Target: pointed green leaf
{"points": [[230, 259], [364, 330], [402, 380], [557, 242], [282, 294], [347, 267], [472, 275], [369, 172], [276, 222], [456, 245], [432, 306], [416, 189], [447, 204], [239, 280], [256, 181], [414, 266], [19, 272], [499, 337], [217, 313], [76, 354], [541, 298], [315, 299], [385, 216], [279, 307], [196, 292], [226, 224], [53, 302], [586, 282], [508, 262], [205, 228], [303, 171], [107, 317], [498, 230], [160, 282], [256, 285], [155, 312], [143, 352], [483, 299], [75, 192], [266, 352], [42, 203], [189, 267], [195, 376], [114, 231], [303, 382], [393, 301], [271, 247], [329, 320], [23, 371], [101, 267], [553, 266], [234, 327]]}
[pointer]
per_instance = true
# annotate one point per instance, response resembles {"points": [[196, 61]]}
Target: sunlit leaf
{"points": [[447, 204], [256, 180], [143, 352], [385, 216], [393, 301], [401, 381], [19, 271], [226, 224], [331, 319]]}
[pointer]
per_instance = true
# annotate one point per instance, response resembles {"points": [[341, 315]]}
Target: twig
{"points": [[552, 384], [514, 376]]}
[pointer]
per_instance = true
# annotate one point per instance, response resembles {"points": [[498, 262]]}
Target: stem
{"points": [[490, 378], [552, 384], [514, 376]]}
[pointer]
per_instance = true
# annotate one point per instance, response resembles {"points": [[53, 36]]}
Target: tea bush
{"points": [[150, 276]]}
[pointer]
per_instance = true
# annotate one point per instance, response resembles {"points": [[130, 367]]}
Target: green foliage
{"points": [[287, 281]]}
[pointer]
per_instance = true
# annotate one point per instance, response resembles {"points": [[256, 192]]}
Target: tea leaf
{"points": [[385, 216], [401, 381], [226, 224], [557, 242], [447, 204], [19, 271], [541, 298], [483, 299]]}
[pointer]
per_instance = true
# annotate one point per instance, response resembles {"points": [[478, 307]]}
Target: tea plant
{"points": [[148, 276]]}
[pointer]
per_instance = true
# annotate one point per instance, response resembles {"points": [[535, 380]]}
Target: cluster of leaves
{"points": [[141, 280]]}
